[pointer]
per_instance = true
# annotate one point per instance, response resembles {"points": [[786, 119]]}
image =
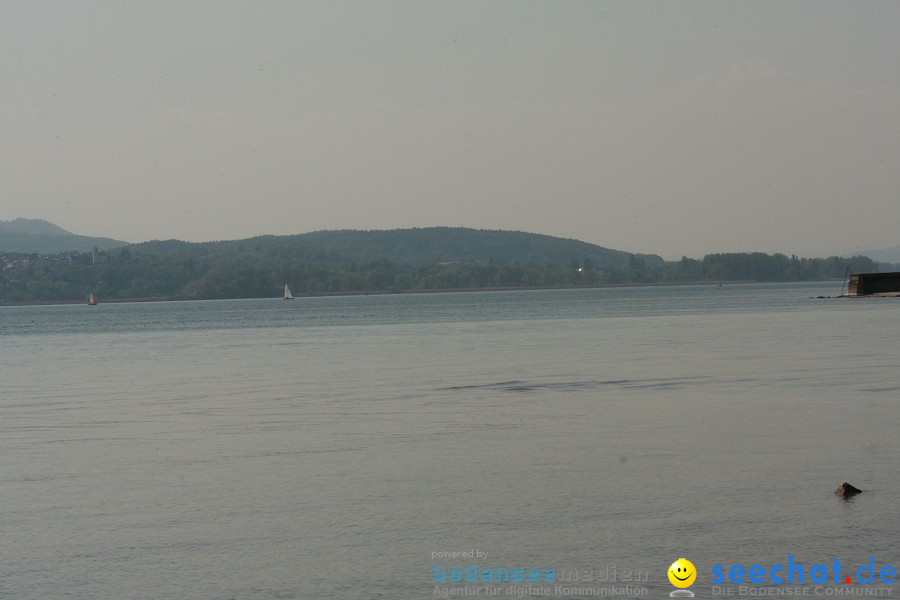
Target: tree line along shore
{"points": [[123, 275]]}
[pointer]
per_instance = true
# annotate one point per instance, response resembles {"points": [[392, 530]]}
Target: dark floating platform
{"points": [[874, 284]]}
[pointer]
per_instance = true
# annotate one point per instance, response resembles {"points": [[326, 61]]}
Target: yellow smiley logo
{"points": [[682, 573]]}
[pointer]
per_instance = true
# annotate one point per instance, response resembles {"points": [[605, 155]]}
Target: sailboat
{"points": [[92, 300], [287, 293]]}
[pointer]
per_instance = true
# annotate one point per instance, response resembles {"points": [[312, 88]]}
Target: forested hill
{"points": [[374, 261], [406, 246]]}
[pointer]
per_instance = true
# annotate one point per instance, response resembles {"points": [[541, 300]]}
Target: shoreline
{"points": [[414, 291]]}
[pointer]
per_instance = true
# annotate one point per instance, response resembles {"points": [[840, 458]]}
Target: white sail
{"points": [[287, 293]]}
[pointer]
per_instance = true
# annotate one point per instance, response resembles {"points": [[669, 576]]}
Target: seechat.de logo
{"points": [[795, 572]]}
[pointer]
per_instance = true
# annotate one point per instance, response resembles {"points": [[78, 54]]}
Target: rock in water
{"points": [[846, 490]]}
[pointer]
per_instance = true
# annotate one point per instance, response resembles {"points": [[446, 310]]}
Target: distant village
{"points": [[18, 261]]}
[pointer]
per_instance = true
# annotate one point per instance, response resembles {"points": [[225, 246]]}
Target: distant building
{"points": [[865, 284]]}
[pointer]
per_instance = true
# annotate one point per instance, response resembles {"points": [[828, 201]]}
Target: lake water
{"points": [[328, 447]]}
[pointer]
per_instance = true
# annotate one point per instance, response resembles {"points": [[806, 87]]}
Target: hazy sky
{"points": [[672, 127]]}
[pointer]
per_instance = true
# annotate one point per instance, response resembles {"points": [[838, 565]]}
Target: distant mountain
{"points": [[407, 246], [42, 237], [32, 226], [885, 255]]}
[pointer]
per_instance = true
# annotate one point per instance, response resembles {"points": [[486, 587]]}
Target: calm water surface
{"points": [[326, 447]]}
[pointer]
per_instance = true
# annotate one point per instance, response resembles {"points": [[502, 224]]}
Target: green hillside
{"points": [[324, 262]]}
